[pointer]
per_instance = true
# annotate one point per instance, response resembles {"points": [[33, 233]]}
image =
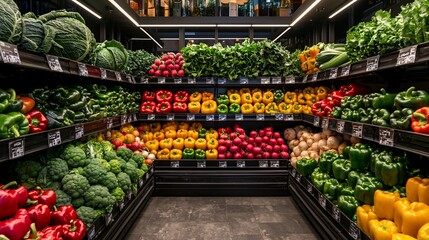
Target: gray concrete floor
{"points": [[212, 218]]}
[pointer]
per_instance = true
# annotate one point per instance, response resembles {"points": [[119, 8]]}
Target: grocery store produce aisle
{"points": [[212, 218]]}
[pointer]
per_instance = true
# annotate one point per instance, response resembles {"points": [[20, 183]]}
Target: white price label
{"points": [[223, 164], [130, 118], [305, 78], [333, 73], [161, 80], [314, 77], [191, 81], [190, 117], [91, 232], [151, 117], [129, 78], [372, 63], [210, 80], [121, 205], [340, 126], [279, 117], [386, 136], [241, 164], [316, 121], [239, 117], [336, 214], [221, 81], [134, 117], [277, 80], [260, 117], [309, 188], [298, 177], [357, 130], [9, 53], [118, 76], [174, 164], [170, 117], [124, 119], [288, 117], [265, 80], [244, 80], [16, 148], [345, 71], [79, 131], [103, 73], [222, 117], [354, 231], [201, 164], [177, 81], [108, 218], [141, 182], [407, 55], [263, 164], [109, 123], [290, 80], [144, 80], [129, 194], [146, 176], [82, 69], [293, 172], [322, 201], [54, 138], [54, 63], [325, 123], [275, 164], [210, 117]]}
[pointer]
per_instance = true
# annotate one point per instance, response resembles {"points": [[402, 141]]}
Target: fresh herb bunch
{"points": [[139, 62]]}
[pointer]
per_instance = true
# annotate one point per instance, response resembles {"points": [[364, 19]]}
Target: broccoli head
{"points": [[78, 202], [107, 147], [75, 185], [93, 149], [115, 166], [110, 155], [118, 193], [57, 168], [131, 170], [124, 153], [144, 167], [88, 215], [74, 156], [133, 163], [105, 164], [62, 198], [138, 158], [99, 197], [124, 181], [53, 186], [27, 169], [122, 162], [110, 181], [94, 172], [43, 178]]}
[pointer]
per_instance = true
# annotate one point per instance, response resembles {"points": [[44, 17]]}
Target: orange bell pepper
{"points": [[259, 108], [267, 97], [190, 142], [235, 98], [257, 97], [322, 92], [182, 133], [152, 145], [171, 134], [383, 204], [166, 143], [247, 108], [195, 97], [201, 143], [178, 143], [193, 134], [423, 233], [212, 144], [364, 214], [196, 126], [155, 127], [184, 125], [211, 154], [207, 96], [256, 90], [159, 136], [209, 107], [164, 154]]}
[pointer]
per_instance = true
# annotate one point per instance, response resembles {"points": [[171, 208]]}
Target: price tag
{"points": [[275, 164], [177, 81], [238, 117], [210, 117], [16, 148], [354, 231], [241, 164], [223, 164], [121, 205], [260, 117], [340, 126], [288, 117], [146, 176], [298, 177], [130, 118], [91, 232], [103, 73], [161, 80], [322, 201], [345, 71], [265, 80], [372, 63], [144, 80], [129, 194], [174, 164], [221, 81], [151, 117], [141, 181], [191, 81], [170, 117], [54, 63], [357, 130], [124, 119], [79, 131], [316, 121], [210, 80], [336, 214], [290, 80], [54, 138], [129, 78], [386, 136], [222, 117], [277, 80], [9, 53], [190, 117], [134, 117], [83, 71], [293, 172], [325, 123], [118, 76], [309, 188], [407, 55], [305, 78], [108, 218], [333, 73], [109, 123], [244, 80], [279, 116], [201, 164], [263, 164], [314, 77]]}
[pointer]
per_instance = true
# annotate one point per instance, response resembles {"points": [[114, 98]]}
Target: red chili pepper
{"points": [[40, 215], [148, 96], [164, 96], [21, 192], [47, 197], [63, 215], [419, 120], [179, 107], [17, 227], [148, 107], [181, 96], [76, 230], [354, 89], [8, 201], [38, 122], [164, 107], [317, 109]]}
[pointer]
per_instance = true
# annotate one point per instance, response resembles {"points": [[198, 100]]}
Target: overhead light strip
{"points": [[281, 34], [124, 12], [234, 25], [211, 25], [305, 12], [87, 9], [271, 25], [342, 9], [153, 39]]}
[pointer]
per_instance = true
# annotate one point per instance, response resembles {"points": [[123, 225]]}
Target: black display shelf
{"points": [[329, 221], [222, 164], [177, 81], [278, 117]]}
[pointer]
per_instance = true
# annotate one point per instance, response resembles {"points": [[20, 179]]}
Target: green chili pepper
{"points": [[60, 118]]}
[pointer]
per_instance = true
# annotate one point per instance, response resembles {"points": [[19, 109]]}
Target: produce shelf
{"points": [[329, 221], [220, 117], [177, 81], [222, 164]]}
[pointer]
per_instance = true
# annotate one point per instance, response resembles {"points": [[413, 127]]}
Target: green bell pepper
{"points": [[202, 133], [352, 178], [306, 166], [341, 168], [4, 100], [412, 98], [200, 154], [222, 109], [234, 108], [365, 189], [367, 100], [15, 104], [188, 153], [356, 116], [346, 152], [391, 170], [346, 114], [223, 99], [366, 115], [360, 156], [318, 178], [401, 119], [60, 118], [348, 205], [346, 101], [331, 189], [336, 112], [383, 100], [279, 96], [347, 190], [326, 160], [356, 102], [381, 117], [79, 117], [13, 124]]}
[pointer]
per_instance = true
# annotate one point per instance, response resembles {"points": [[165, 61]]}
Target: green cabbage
{"points": [[10, 22], [36, 36], [110, 55]]}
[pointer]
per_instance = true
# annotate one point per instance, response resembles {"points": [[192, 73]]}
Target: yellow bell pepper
{"points": [[296, 108], [195, 97], [322, 92], [246, 98], [400, 236], [309, 90], [267, 97], [211, 154], [164, 154], [271, 108], [152, 145], [194, 107], [290, 97], [399, 207], [184, 125], [259, 108], [383, 204], [244, 90], [257, 97], [155, 127], [178, 143], [307, 109], [201, 143], [189, 142], [146, 136], [310, 99], [182, 133], [212, 144], [158, 136], [231, 91], [193, 134], [207, 96], [285, 108], [423, 191], [247, 108], [414, 217], [166, 143], [211, 133], [171, 134], [364, 214], [235, 98], [382, 230], [176, 154], [256, 90], [417, 189], [209, 107], [196, 126], [423, 233], [301, 99]]}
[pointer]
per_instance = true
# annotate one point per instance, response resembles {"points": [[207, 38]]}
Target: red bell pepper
{"points": [[317, 109], [40, 215], [21, 192], [335, 98], [226, 130], [164, 96], [181, 96], [354, 89], [180, 107], [17, 227], [163, 107], [148, 96], [148, 107], [49, 233], [8, 201], [76, 230], [47, 197], [63, 215], [38, 122], [420, 120], [327, 111]]}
